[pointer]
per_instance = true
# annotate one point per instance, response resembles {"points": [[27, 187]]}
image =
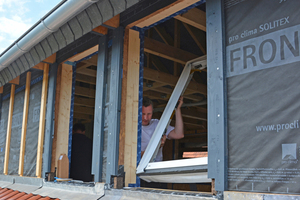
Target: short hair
{"points": [[78, 126], [147, 102]]}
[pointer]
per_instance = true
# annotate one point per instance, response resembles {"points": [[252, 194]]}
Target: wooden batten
{"points": [[83, 54], [113, 22], [24, 124], [9, 124], [62, 113], [15, 81], [39, 66], [51, 59], [101, 30], [130, 107], [42, 122], [162, 13]]}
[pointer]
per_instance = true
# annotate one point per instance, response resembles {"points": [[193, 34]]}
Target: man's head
{"points": [[147, 111], [79, 128]]}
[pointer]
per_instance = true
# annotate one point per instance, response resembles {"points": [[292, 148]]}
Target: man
{"points": [[149, 125], [81, 156]]}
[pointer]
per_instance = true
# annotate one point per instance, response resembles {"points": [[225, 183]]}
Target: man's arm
{"points": [[177, 132]]}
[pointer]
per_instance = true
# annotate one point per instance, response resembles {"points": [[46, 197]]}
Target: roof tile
{"points": [[10, 194]]}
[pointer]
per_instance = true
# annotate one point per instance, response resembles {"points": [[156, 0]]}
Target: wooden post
{"points": [[9, 123], [123, 99], [62, 113], [39, 157], [24, 124], [131, 106]]}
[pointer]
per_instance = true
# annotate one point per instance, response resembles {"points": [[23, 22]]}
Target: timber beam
{"points": [[86, 92], [166, 51], [194, 17], [171, 80]]}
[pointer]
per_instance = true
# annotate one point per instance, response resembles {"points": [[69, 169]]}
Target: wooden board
{"points": [[24, 124], [9, 124], [39, 158], [132, 100]]}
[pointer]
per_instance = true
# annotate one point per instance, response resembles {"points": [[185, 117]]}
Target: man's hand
{"points": [[180, 102], [163, 140]]}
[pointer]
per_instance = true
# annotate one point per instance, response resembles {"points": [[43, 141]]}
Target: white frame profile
{"points": [[149, 170]]}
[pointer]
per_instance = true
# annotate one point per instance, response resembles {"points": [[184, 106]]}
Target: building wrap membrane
{"points": [[262, 67]]}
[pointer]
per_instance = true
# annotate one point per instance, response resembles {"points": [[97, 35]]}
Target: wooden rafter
{"points": [[83, 110], [193, 35], [162, 13], [194, 17], [79, 101], [88, 72], [168, 79], [166, 51], [82, 116], [153, 86], [164, 35], [169, 91], [86, 92], [85, 79]]}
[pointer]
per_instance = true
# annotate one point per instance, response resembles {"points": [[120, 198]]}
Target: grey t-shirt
{"points": [[147, 132]]}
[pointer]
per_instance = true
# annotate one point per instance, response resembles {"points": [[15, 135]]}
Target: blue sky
{"points": [[17, 16]]}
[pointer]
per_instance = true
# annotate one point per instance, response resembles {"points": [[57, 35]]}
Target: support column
{"points": [[114, 104], [98, 138], [217, 104], [9, 124], [62, 113], [49, 127], [39, 158], [24, 124], [130, 103]]}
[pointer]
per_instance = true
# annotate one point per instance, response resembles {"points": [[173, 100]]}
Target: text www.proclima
{"points": [[278, 127]]}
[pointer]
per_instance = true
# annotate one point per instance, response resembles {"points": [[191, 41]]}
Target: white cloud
{"points": [[14, 6], [13, 27]]}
